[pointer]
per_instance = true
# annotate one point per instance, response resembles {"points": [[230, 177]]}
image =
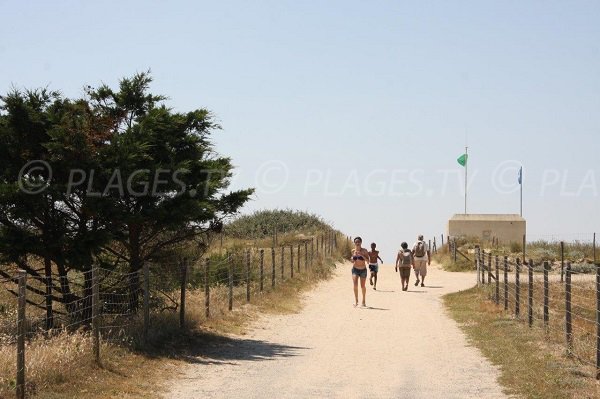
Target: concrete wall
{"points": [[504, 230]]}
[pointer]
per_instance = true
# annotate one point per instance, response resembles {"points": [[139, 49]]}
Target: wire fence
{"points": [[565, 308], [118, 307]]}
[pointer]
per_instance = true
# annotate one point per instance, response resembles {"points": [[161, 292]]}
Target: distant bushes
{"points": [[265, 223]]}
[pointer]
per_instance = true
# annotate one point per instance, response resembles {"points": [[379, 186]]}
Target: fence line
{"points": [[112, 304], [564, 309]]}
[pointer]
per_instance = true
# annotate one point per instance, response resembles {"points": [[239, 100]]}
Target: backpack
{"points": [[420, 250], [406, 258]]}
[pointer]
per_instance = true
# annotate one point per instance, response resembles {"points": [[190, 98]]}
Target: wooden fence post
{"points": [[184, 272], [517, 289], [546, 295], [568, 324], [489, 270], [312, 251], [305, 255], [497, 297], [481, 256], [594, 248], [96, 314], [530, 293], [477, 267], [262, 269], [454, 249], [272, 267], [291, 261], [506, 283], [442, 240], [146, 280], [597, 316], [298, 258], [230, 275], [22, 279], [207, 287], [282, 263], [248, 275], [49, 311], [562, 261]]}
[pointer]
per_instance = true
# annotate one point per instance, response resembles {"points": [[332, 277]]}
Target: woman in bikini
{"points": [[359, 269]]}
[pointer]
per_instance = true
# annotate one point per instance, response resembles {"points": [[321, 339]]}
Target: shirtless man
{"points": [[359, 269], [373, 264]]}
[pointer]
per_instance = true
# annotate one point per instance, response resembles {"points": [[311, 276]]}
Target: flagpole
{"points": [[521, 184], [466, 163]]}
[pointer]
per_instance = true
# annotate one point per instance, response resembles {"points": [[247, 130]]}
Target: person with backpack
{"points": [[404, 261], [422, 258]]}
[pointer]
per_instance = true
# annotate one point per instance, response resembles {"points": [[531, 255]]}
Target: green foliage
{"points": [[587, 268], [265, 223], [447, 261], [543, 253], [516, 247], [132, 180]]}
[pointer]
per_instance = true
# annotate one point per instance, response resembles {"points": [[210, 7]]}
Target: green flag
{"points": [[462, 160]]}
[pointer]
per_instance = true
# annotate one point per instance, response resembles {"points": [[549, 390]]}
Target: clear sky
{"points": [[357, 110]]}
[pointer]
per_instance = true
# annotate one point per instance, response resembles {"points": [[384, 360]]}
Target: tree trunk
{"points": [[70, 300], [86, 311], [135, 264]]}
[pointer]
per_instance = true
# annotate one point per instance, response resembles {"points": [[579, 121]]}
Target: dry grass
{"points": [[533, 361], [63, 367], [583, 313], [445, 258]]}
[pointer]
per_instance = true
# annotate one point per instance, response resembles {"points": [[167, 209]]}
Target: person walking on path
{"points": [[359, 269], [373, 264], [422, 258], [404, 261]]}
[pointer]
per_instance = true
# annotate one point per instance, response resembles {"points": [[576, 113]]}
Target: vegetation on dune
{"points": [[266, 223], [580, 254]]}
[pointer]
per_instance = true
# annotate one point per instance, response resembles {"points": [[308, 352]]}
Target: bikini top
{"points": [[358, 257]]}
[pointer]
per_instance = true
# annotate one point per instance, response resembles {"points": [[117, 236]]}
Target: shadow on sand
{"points": [[207, 348]]}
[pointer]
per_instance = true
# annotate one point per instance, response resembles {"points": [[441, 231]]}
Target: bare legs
{"points": [[363, 288], [404, 280], [355, 282], [363, 281], [373, 276]]}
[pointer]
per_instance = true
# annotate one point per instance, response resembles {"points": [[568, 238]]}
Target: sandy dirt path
{"points": [[403, 345]]}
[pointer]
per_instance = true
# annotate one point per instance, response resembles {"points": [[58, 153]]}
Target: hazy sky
{"points": [[357, 110]]}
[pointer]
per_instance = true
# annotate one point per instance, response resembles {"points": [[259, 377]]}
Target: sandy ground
{"points": [[403, 345]]}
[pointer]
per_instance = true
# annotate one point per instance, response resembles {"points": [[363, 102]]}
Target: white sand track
{"points": [[402, 346]]}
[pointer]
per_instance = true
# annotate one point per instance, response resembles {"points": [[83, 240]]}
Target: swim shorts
{"points": [[362, 273]]}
